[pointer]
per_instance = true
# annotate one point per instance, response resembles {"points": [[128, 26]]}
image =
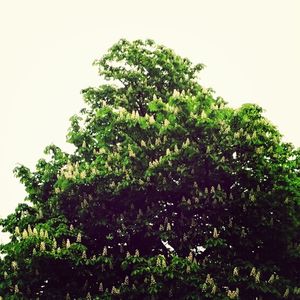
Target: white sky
{"points": [[251, 50]]}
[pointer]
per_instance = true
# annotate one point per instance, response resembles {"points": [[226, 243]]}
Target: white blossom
{"points": [[151, 120], [203, 115], [68, 244], [215, 233], [176, 93], [42, 246], [78, 239]]}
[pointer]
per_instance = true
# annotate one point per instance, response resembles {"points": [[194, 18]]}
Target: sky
{"points": [[251, 49]]}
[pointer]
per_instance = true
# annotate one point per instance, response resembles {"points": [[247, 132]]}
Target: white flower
{"points": [[166, 123], [236, 135], [215, 233], [104, 252], [78, 239], [135, 114], [16, 289], [214, 289], [101, 150], [271, 279], [209, 279], [257, 277], [14, 265], [151, 120], [203, 115], [252, 197], [115, 291], [253, 272], [286, 293], [169, 227], [186, 143], [157, 141], [54, 244], [233, 294], [17, 231], [24, 234], [101, 287], [83, 174], [68, 244], [42, 246], [176, 93], [176, 148], [131, 153], [236, 271], [94, 171]]}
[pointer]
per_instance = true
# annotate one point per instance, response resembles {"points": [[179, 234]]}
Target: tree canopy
{"points": [[169, 194]]}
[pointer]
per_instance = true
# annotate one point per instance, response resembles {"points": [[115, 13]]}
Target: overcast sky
{"points": [[251, 50]]}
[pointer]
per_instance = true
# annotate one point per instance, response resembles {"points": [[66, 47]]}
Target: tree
{"points": [[170, 193]]}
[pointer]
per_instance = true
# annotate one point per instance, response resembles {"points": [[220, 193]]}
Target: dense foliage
{"points": [[170, 193]]}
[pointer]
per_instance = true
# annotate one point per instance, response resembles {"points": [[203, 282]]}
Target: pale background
{"points": [[251, 50]]}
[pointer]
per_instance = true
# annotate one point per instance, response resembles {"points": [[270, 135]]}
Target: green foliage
{"points": [[170, 193]]}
